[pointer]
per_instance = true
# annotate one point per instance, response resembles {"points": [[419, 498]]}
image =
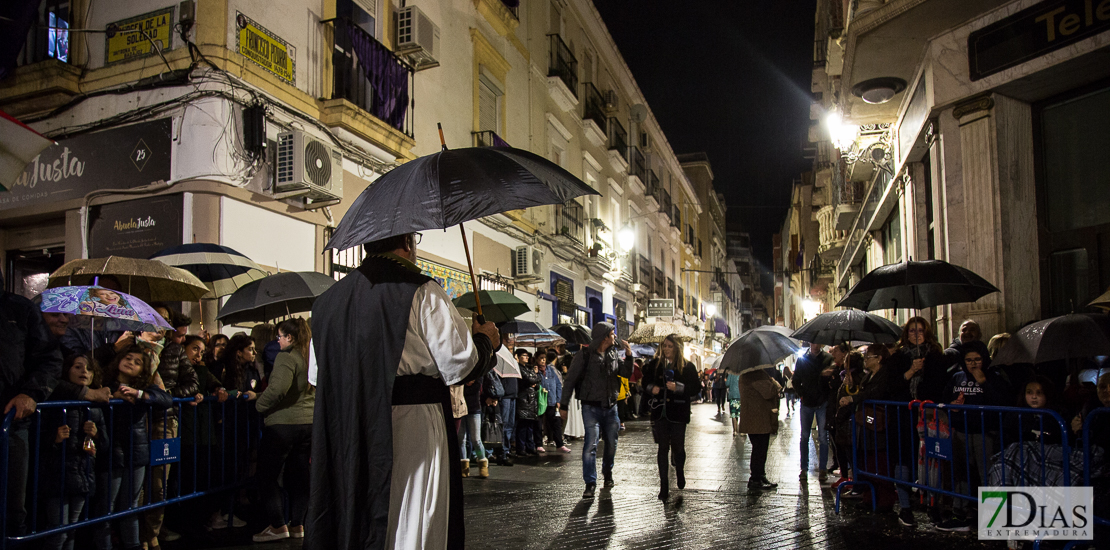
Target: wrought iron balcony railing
{"points": [[569, 219], [594, 108], [637, 165], [563, 64], [618, 138], [489, 138], [372, 77]]}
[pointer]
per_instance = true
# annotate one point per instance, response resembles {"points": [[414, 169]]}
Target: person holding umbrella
{"points": [[670, 382], [759, 409]]}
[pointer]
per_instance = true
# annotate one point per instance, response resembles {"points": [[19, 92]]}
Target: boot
{"points": [[465, 467], [483, 468]]}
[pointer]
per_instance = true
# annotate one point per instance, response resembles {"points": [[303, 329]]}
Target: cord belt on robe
{"points": [[421, 389]]}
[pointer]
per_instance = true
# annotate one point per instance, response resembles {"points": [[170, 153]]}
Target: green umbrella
{"points": [[497, 305]]}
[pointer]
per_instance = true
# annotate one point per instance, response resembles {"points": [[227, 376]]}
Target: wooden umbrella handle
{"points": [[473, 281]]}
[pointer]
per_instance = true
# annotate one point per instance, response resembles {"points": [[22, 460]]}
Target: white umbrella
{"points": [[19, 145]]}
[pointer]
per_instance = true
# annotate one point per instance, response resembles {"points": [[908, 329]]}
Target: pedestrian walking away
{"points": [[813, 380], [385, 465], [670, 383], [594, 379]]}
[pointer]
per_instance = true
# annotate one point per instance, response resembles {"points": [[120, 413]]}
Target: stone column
{"points": [[996, 151]]}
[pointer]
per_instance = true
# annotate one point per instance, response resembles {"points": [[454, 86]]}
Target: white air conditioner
{"points": [[526, 263], [612, 103], [417, 38], [307, 170]]}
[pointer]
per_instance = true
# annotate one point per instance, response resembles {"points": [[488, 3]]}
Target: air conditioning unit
{"points": [[526, 263], [307, 170], [612, 103], [417, 38]]}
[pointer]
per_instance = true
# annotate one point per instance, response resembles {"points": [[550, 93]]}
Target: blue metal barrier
{"points": [[222, 413], [955, 416]]}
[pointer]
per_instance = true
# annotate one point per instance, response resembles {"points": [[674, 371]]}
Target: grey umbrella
{"points": [[275, 296], [1073, 336], [835, 327], [759, 348]]}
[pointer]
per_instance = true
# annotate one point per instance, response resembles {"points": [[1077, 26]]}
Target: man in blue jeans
{"points": [[813, 379], [595, 378], [508, 410]]}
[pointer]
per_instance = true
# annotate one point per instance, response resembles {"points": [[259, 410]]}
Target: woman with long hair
{"points": [[287, 407], [670, 382], [239, 374], [215, 352], [921, 361]]}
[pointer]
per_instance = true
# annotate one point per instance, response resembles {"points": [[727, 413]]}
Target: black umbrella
{"points": [[916, 285], [847, 325], [759, 348], [1072, 336], [275, 296], [454, 186], [575, 334]]}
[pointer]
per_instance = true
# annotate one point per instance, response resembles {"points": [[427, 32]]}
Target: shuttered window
{"points": [[488, 111]]}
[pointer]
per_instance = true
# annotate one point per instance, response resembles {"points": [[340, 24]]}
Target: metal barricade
{"points": [[202, 454], [938, 453]]}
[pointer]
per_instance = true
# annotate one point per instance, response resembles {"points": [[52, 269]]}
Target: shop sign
{"points": [[265, 48], [120, 158], [137, 36], [136, 229], [1033, 32], [660, 307]]}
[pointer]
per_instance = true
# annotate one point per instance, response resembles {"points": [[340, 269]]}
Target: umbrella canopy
{"points": [[497, 305], [642, 350], [275, 296], [221, 269], [916, 285], [99, 308], [654, 333], [19, 145], [758, 348], [506, 366], [516, 326], [835, 327], [527, 333], [574, 334], [151, 281], [450, 187], [1071, 336]]}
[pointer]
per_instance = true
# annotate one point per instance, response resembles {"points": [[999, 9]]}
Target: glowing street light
{"points": [[626, 237], [710, 310]]}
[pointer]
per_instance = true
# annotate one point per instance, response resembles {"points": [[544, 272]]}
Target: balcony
{"points": [[671, 290], [488, 138], [650, 189], [618, 146], [637, 166], [676, 219], [643, 274], [663, 197], [593, 115], [569, 239], [383, 93], [562, 74], [832, 241], [660, 284]]}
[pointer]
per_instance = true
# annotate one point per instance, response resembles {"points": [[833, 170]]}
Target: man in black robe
{"points": [[385, 464]]}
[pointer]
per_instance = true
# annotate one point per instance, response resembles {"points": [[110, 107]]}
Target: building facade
{"points": [[968, 132], [185, 122]]}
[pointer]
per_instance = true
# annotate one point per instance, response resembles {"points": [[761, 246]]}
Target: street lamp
{"points": [[710, 310], [626, 237]]}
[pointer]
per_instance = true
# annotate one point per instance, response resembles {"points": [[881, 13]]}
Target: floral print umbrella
{"points": [[99, 308]]}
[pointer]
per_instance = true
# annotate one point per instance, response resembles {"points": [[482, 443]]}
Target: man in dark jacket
{"points": [[30, 363], [813, 381], [595, 378]]}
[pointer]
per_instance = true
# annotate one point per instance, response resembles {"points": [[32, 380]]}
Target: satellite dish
{"points": [[638, 113]]}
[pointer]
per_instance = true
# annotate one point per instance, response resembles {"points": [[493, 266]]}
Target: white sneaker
{"points": [[215, 524], [235, 521], [269, 534]]}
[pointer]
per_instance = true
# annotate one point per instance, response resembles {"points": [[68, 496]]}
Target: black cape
{"points": [[359, 328]]}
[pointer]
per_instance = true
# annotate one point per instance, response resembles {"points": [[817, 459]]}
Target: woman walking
{"points": [[287, 406], [759, 411], [670, 382]]}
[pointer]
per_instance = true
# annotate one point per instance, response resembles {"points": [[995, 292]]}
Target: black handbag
{"points": [[492, 429]]}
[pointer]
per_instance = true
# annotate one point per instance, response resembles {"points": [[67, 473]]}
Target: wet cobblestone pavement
{"points": [[537, 503]]}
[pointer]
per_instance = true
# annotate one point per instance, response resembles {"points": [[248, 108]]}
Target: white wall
{"points": [[268, 238]]}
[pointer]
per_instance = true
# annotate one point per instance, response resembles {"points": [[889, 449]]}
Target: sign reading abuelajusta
{"points": [[138, 36], [265, 49]]}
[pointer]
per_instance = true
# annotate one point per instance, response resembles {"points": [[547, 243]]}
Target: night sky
{"points": [[730, 78]]}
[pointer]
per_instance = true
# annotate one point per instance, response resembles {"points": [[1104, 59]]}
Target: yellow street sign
{"points": [[138, 36], [266, 49]]}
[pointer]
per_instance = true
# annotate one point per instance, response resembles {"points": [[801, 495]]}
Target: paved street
{"points": [[536, 504]]}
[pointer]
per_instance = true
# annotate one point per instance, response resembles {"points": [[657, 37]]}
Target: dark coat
{"points": [[131, 429], [929, 383], [527, 394], [889, 384], [596, 377], [30, 361], [811, 386], [80, 468], [177, 371], [668, 405]]}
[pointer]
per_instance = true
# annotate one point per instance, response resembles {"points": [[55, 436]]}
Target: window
{"points": [[363, 13], [892, 238], [48, 37], [1075, 140], [57, 36], [489, 104]]}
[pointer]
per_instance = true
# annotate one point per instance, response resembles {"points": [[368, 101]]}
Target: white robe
{"points": [[439, 344]]}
